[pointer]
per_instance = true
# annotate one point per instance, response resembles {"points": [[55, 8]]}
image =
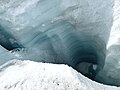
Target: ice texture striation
{"points": [[73, 32]]}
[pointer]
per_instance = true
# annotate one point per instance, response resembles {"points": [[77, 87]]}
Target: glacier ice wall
{"points": [[111, 71], [72, 32]]}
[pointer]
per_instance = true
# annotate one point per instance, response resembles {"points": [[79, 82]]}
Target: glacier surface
{"points": [[72, 32], [30, 75]]}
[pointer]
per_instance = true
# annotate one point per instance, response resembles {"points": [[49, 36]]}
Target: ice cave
{"points": [[83, 34]]}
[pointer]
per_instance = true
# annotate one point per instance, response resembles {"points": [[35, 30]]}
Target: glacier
{"points": [[73, 32], [111, 71]]}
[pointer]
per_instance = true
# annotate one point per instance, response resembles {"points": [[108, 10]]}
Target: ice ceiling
{"points": [[73, 32]]}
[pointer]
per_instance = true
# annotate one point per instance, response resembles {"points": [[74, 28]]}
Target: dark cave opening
{"points": [[8, 41]]}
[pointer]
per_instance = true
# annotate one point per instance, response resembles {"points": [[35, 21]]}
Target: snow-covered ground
{"points": [[29, 75]]}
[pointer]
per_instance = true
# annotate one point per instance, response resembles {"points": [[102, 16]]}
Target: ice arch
{"points": [[61, 39], [73, 32]]}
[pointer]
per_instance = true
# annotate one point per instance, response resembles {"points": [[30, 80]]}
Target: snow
{"points": [[30, 75], [115, 31]]}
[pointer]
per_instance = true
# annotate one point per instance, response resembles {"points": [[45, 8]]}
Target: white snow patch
{"points": [[29, 75]]}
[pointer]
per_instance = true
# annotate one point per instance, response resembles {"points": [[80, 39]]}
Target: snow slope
{"points": [[29, 75]]}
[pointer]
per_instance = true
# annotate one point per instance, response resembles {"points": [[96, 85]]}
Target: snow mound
{"points": [[30, 75]]}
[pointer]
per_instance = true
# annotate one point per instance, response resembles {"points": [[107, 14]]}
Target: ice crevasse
{"points": [[73, 32]]}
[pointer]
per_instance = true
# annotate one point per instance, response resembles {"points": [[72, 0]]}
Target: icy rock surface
{"points": [[29, 75]]}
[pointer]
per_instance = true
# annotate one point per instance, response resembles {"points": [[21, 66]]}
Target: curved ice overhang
{"points": [[72, 32]]}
